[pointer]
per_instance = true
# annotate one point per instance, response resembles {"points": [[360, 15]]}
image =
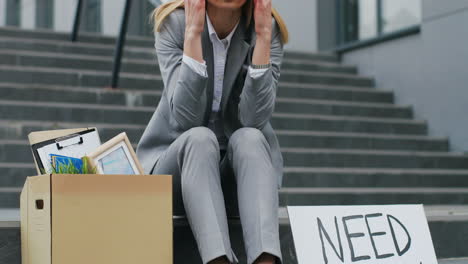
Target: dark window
{"points": [[139, 23], [148, 27], [365, 19], [91, 21], [400, 14], [13, 12], [44, 13]]}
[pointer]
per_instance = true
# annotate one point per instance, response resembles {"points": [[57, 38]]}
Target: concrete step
{"points": [[151, 99], [60, 76], [454, 261], [331, 57], [348, 124], [70, 94], [337, 140], [78, 48], [334, 92], [14, 175], [308, 157], [448, 226], [15, 151], [84, 47], [48, 111], [373, 195], [298, 76], [185, 247], [9, 197], [19, 130], [86, 37], [288, 138], [19, 151], [319, 66], [147, 97], [373, 177], [299, 106], [105, 63]]}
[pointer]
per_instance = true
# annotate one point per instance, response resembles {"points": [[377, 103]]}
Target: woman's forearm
{"points": [[194, 24], [193, 46], [261, 54], [263, 28]]}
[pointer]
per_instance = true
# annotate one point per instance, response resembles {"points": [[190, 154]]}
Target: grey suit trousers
{"points": [[202, 181]]}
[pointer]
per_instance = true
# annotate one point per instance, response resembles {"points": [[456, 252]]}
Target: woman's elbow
{"points": [[185, 119], [257, 120]]}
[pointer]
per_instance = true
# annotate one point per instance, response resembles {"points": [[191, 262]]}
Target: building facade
{"points": [[416, 48], [98, 16]]}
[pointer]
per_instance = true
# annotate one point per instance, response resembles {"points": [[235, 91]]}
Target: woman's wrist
{"points": [[192, 46], [264, 34], [192, 33], [264, 39], [261, 53]]}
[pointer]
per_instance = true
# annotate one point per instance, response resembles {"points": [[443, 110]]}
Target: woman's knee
{"points": [[247, 137], [201, 135], [200, 150], [202, 139]]}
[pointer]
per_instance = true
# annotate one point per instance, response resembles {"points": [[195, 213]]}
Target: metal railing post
{"points": [[76, 24], [380, 20], [120, 44]]}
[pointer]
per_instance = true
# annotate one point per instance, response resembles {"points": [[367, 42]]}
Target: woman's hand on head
{"points": [[194, 24], [262, 16], [194, 17], [263, 28]]}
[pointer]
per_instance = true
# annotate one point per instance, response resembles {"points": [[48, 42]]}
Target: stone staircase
{"points": [[343, 140]]}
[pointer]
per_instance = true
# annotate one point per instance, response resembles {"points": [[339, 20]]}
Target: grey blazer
{"points": [[187, 96]]}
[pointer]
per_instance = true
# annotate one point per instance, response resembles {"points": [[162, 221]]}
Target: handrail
{"points": [[76, 24], [120, 41], [120, 44]]}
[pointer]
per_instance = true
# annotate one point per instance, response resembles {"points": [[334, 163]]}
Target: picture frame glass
{"points": [[117, 160]]}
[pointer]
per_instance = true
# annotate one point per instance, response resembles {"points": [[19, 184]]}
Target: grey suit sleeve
{"points": [[257, 100], [184, 87]]}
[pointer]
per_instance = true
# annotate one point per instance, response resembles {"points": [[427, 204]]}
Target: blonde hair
{"points": [[160, 13]]}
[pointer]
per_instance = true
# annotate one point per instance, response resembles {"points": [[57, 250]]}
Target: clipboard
{"points": [[60, 141]]}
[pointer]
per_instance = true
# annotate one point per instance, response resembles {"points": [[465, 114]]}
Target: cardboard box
{"points": [[95, 218], [86, 218]]}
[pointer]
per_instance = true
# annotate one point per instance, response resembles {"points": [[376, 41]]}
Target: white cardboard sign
{"points": [[377, 234]]}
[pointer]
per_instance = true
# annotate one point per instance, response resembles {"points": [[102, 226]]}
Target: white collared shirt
{"points": [[220, 49]]}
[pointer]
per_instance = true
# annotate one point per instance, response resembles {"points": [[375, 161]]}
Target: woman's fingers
{"points": [[194, 24], [262, 5], [262, 16], [194, 15]]}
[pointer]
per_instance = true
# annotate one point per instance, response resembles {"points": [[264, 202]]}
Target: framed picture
{"points": [[116, 156]]}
